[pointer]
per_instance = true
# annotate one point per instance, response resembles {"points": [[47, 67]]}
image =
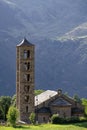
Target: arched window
{"points": [[25, 54]]}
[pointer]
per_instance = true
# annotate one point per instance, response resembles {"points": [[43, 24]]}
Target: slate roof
{"points": [[25, 42], [44, 110], [60, 102], [44, 96]]}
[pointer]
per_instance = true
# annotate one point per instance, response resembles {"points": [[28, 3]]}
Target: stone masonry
{"points": [[25, 79]]}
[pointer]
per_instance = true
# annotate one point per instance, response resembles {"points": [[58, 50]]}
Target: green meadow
{"points": [[77, 126]]}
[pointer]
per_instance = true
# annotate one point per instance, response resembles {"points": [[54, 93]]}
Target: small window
{"points": [[28, 88], [26, 98], [26, 108], [44, 119], [28, 77], [28, 53], [28, 65]]}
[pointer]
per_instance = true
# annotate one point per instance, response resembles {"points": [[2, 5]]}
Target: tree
{"points": [[39, 91], [1, 115], [12, 115], [5, 102], [77, 98], [13, 101], [32, 118], [84, 102]]}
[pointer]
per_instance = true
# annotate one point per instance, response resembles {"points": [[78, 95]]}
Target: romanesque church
{"points": [[47, 103]]}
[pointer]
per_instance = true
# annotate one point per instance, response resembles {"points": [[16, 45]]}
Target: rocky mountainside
{"points": [[41, 19], [59, 31]]}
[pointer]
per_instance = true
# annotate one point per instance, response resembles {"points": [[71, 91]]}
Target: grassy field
{"points": [[78, 126]]}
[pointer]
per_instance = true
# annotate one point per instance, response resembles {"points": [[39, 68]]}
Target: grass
{"points": [[77, 126]]}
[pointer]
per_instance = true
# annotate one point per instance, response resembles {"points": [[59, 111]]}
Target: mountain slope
{"points": [[60, 63], [43, 19], [63, 65]]}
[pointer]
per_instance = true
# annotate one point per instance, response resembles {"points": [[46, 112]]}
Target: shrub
{"points": [[32, 118], [12, 116], [72, 120], [55, 119], [83, 119]]}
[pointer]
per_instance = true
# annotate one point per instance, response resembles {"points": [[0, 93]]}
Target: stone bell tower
{"points": [[25, 79]]}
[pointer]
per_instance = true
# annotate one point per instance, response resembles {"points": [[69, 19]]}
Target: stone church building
{"points": [[47, 103]]}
